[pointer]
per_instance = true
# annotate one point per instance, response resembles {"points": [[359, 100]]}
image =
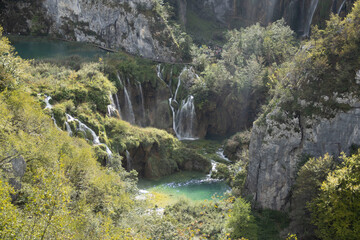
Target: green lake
{"points": [[29, 47], [190, 185]]}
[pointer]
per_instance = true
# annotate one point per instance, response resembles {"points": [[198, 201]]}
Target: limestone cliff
{"points": [[298, 14], [277, 148], [133, 25]]}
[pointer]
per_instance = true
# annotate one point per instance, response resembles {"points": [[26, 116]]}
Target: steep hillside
{"points": [[314, 111]]}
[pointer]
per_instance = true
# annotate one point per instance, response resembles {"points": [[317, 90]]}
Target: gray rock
{"points": [[17, 171], [276, 149], [111, 24]]}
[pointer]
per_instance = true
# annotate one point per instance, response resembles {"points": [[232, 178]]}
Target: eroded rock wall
{"points": [[133, 26], [277, 148]]}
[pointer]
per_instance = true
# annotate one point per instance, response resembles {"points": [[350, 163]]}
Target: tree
{"points": [[241, 222], [336, 212], [307, 187]]}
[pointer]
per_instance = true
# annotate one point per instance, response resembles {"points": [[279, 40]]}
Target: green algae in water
{"points": [[192, 185], [29, 47]]}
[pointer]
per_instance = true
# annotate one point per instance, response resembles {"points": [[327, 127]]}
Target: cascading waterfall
{"points": [[118, 104], [220, 153], [85, 129], [142, 100], [49, 106], [130, 116], [184, 118], [341, 7], [128, 161], [310, 15], [112, 110], [68, 129]]}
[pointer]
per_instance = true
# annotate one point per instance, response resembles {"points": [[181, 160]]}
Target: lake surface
{"points": [[191, 185], [44, 48]]}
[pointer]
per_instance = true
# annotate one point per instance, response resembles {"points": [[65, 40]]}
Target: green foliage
{"points": [[307, 187], [271, 223], [323, 71], [336, 210], [241, 221], [247, 61]]}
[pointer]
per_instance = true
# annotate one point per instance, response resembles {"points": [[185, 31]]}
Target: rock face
{"points": [[131, 25], [299, 14], [17, 171], [277, 148]]}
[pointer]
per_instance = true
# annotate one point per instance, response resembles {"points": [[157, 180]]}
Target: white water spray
{"points": [[309, 18], [128, 161], [184, 118], [85, 129], [112, 110], [49, 106], [341, 7], [142, 101], [128, 107]]}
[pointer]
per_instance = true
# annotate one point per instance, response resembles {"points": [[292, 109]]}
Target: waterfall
{"points": [[117, 104], [159, 72], [68, 128], [185, 119], [85, 129], [341, 7], [309, 17], [128, 107], [220, 153], [128, 161], [112, 107], [142, 100], [49, 106], [270, 10], [47, 102]]}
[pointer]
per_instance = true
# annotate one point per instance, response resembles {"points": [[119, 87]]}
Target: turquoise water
{"points": [[42, 48], [191, 185]]}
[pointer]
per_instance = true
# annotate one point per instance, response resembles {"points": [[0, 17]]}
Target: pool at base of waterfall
{"points": [[190, 185]]}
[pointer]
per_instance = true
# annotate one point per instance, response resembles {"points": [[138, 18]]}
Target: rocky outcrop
{"points": [[133, 25], [277, 147], [151, 162], [15, 170]]}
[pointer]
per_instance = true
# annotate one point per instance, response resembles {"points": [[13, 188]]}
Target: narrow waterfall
{"points": [[85, 129], [142, 101], [47, 102], [68, 128], [185, 120], [128, 161], [159, 72], [184, 117], [118, 104], [309, 17], [112, 110], [130, 116], [341, 7], [270, 10], [49, 106]]}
